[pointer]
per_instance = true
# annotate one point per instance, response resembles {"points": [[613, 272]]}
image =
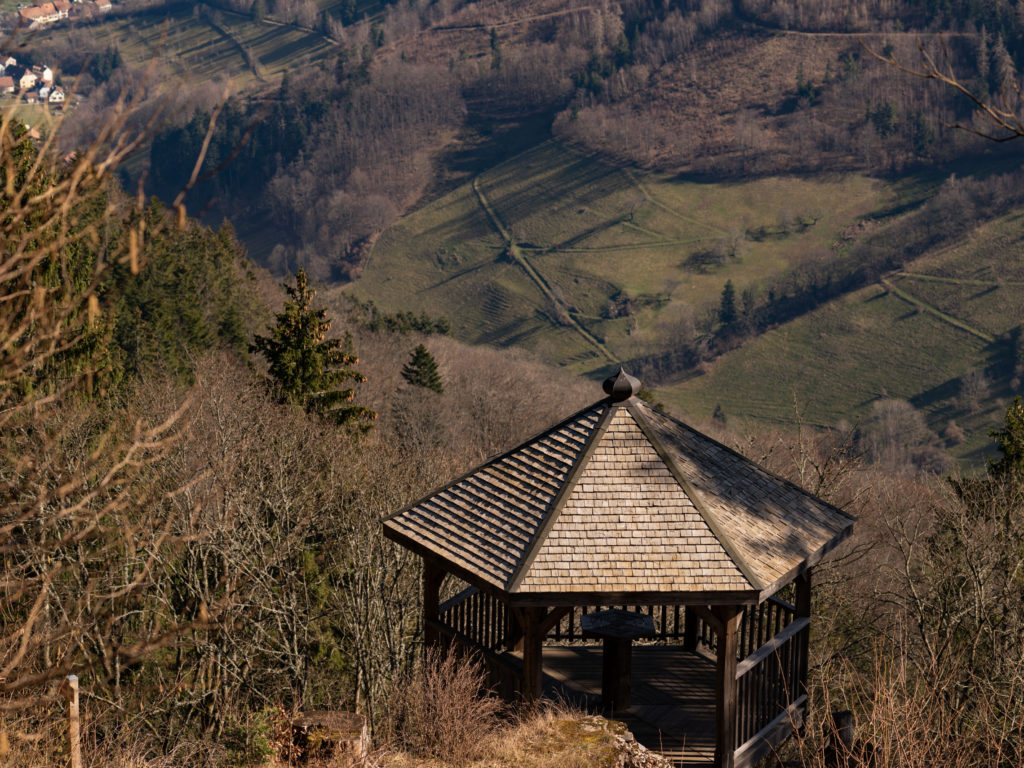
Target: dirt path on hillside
{"points": [[542, 284], [512, 22], [658, 204], [935, 311], [959, 280]]}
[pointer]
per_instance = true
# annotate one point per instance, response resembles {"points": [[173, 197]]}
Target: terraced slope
{"points": [[197, 47], [586, 263], [949, 313]]}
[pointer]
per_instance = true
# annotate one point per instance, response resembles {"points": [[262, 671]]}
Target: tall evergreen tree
{"points": [[727, 307], [421, 370], [1010, 440], [306, 367]]}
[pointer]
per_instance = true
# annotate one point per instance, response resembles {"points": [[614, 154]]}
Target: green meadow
{"points": [[592, 236], [187, 45], [950, 313]]}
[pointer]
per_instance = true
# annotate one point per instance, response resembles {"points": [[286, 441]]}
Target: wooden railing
{"points": [[478, 616], [669, 621], [771, 650], [759, 624], [770, 694], [479, 624]]}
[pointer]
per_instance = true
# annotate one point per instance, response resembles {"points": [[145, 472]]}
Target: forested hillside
{"points": [[477, 209], [597, 175], [345, 129]]}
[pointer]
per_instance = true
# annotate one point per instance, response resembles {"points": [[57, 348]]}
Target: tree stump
{"points": [[328, 735]]}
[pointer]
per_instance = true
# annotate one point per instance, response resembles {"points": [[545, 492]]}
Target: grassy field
{"points": [[593, 235], [951, 315], [32, 115], [193, 49], [543, 244]]}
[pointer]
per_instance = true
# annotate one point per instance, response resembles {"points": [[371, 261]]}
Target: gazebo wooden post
{"points": [[433, 575], [727, 627], [533, 650], [691, 629], [803, 611]]}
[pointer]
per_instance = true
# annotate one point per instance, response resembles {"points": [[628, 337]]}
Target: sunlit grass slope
{"points": [[948, 313], [595, 234]]}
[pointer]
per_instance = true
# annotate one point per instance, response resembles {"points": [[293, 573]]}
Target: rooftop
{"points": [[621, 498]]}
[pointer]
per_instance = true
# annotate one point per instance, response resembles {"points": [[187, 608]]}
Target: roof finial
{"points": [[621, 386]]}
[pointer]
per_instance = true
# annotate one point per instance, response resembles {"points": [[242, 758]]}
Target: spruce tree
{"points": [[1010, 439], [727, 307], [306, 367], [421, 370]]}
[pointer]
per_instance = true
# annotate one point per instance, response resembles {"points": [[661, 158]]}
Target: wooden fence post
{"points": [[69, 690]]}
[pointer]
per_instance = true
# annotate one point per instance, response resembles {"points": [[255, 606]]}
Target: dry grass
{"points": [[904, 717], [552, 736], [438, 710]]}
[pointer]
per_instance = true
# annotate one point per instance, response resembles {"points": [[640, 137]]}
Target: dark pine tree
{"points": [[306, 367], [421, 370], [727, 307], [1010, 439]]}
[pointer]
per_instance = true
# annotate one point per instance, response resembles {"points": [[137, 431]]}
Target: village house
{"points": [[27, 81], [56, 96], [39, 15], [43, 73], [7, 84], [7, 63]]}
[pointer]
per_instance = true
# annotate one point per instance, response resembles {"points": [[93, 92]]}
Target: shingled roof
{"points": [[620, 498]]}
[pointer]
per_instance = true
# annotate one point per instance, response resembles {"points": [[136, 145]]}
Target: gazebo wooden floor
{"points": [[673, 696]]}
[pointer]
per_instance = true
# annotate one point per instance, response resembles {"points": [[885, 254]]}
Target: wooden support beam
{"points": [[711, 618], [691, 629], [533, 649], [554, 616], [728, 621], [803, 611], [433, 575]]}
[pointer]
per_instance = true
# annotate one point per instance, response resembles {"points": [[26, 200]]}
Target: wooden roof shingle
{"points": [[617, 499]]}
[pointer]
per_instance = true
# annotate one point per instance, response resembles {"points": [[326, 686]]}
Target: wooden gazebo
{"points": [[621, 505]]}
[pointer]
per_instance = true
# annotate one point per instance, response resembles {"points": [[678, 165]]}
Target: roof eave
{"points": [[456, 569], [808, 562], [535, 599]]}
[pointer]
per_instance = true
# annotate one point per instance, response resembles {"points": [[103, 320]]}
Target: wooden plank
{"points": [[433, 576], [784, 604], [451, 602], [769, 737], [533, 651], [803, 610], [728, 618], [554, 617], [544, 599], [504, 660], [709, 618], [770, 647]]}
